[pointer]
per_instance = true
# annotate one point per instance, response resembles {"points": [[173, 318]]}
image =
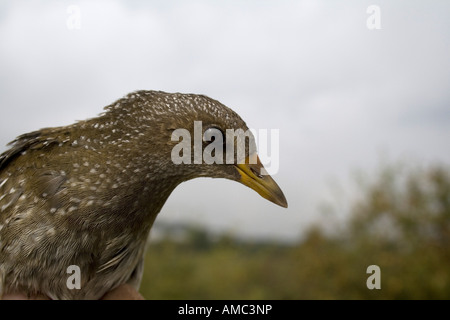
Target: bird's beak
{"points": [[256, 177]]}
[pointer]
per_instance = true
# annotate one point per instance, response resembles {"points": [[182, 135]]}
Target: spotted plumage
{"points": [[87, 194]]}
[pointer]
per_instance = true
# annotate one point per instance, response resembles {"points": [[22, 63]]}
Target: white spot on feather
{"points": [[3, 182]]}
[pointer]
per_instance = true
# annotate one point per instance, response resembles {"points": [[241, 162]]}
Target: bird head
{"points": [[200, 137]]}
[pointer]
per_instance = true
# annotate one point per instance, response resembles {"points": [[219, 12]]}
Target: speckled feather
{"points": [[87, 194]]}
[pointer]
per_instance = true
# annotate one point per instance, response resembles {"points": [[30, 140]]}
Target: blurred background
{"points": [[359, 91]]}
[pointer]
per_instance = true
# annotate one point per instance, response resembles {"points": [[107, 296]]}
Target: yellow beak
{"points": [[252, 176]]}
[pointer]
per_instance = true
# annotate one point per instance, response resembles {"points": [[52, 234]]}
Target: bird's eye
{"points": [[212, 134]]}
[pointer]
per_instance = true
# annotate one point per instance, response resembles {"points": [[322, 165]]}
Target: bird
{"points": [[87, 194]]}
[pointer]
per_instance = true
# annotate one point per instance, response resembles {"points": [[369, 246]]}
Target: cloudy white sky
{"points": [[343, 97]]}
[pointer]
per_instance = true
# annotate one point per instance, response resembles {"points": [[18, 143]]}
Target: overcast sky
{"points": [[343, 96]]}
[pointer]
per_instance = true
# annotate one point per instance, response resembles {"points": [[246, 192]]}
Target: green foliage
{"points": [[400, 223]]}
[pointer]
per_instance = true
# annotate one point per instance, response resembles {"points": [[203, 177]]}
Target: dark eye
{"points": [[213, 133]]}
